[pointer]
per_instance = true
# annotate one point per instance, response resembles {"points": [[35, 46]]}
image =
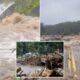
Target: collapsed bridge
{"points": [[6, 9]]}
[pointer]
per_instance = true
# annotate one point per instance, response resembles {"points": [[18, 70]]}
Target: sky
{"points": [[58, 11]]}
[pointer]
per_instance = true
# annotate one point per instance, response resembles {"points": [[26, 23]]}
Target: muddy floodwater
{"points": [[17, 27], [7, 70], [7, 61], [28, 69]]}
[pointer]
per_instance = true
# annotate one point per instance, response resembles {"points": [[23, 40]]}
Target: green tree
{"points": [[40, 47], [26, 6]]}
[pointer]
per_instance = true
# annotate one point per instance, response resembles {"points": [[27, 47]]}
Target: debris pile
{"points": [[52, 63], [51, 37]]}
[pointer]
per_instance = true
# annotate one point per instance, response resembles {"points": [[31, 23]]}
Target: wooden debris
{"points": [[52, 63]]}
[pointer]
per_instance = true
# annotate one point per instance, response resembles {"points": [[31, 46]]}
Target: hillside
{"points": [[66, 28]]}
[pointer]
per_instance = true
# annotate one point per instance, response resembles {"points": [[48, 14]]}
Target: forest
{"points": [[40, 47], [66, 28]]}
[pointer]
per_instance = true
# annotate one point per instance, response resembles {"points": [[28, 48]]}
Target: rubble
{"points": [[52, 65]]}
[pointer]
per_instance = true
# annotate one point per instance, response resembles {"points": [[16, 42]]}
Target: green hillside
{"points": [[38, 47], [66, 28]]}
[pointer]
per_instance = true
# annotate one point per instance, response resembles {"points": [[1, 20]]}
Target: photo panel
{"points": [[19, 20], [40, 59], [60, 20]]}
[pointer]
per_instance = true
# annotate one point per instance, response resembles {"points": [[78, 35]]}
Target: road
{"points": [[72, 63]]}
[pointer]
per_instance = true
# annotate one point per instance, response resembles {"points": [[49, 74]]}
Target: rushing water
{"points": [[6, 50], [7, 60]]}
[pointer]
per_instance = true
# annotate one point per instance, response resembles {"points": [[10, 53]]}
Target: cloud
{"points": [[57, 11]]}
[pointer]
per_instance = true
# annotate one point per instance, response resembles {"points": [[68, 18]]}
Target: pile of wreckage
{"points": [[52, 63]]}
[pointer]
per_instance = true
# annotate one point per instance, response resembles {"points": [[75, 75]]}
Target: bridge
{"points": [[6, 9]]}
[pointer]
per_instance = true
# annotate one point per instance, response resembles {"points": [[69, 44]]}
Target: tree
{"points": [[26, 5], [38, 47]]}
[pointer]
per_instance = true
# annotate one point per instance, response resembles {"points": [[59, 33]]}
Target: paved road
{"points": [[72, 63]]}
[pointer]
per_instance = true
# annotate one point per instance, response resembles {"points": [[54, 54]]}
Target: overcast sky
{"points": [[57, 11]]}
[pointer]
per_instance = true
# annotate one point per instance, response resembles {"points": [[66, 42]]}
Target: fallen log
{"points": [[20, 72]]}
